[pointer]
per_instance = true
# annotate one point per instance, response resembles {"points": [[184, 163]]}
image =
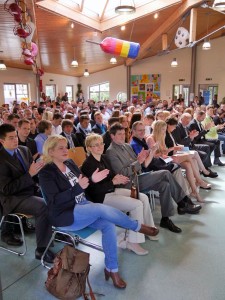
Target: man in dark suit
{"points": [[99, 127], [214, 145], [185, 137], [17, 188], [83, 130]]}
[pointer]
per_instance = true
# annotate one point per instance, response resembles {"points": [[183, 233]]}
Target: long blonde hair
{"points": [[158, 134], [50, 144]]}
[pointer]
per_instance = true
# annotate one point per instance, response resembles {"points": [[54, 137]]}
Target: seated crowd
{"points": [[151, 144]]}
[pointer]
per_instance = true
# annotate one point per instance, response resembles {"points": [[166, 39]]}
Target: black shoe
{"points": [[49, 256], [167, 223], [63, 238], [189, 209], [189, 201], [219, 163], [11, 239], [211, 174]]}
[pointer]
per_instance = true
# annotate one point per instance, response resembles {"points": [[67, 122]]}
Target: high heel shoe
{"points": [[204, 185], [147, 230], [117, 280]]}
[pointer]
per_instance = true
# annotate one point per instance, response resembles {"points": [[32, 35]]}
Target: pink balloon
{"points": [[34, 49]]}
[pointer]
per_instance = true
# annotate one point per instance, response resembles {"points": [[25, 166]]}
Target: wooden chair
{"points": [[78, 155]]}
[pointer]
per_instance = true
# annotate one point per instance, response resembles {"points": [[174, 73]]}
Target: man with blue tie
{"points": [[17, 189]]}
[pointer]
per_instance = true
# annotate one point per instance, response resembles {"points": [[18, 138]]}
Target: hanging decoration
{"points": [[119, 47], [182, 37]]}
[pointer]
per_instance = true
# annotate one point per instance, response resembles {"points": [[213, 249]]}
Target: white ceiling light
{"points": [[2, 65], [113, 60], [86, 73], [123, 27], [206, 45], [174, 63], [156, 15], [74, 62], [125, 9]]}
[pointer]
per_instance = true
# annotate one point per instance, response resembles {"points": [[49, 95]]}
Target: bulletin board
{"points": [[145, 87]]}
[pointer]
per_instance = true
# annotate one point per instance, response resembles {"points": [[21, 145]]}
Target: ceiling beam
{"points": [[103, 12], [82, 6], [193, 25], [172, 19]]}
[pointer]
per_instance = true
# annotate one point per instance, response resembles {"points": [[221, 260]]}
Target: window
{"points": [[99, 92], [69, 90], [50, 91], [122, 97], [16, 91]]}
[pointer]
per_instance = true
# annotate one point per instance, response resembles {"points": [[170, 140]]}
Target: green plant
{"points": [[79, 89]]}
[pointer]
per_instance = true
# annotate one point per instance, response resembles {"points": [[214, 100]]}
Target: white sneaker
{"points": [[153, 238]]}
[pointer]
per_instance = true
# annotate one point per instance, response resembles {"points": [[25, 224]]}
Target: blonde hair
{"points": [[92, 138], [50, 144], [158, 134]]}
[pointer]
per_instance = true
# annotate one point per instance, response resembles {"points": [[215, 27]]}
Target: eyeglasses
{"points": [[97, 145]]}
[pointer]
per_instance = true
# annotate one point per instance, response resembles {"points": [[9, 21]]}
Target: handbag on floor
{"points": [[69, 275]]}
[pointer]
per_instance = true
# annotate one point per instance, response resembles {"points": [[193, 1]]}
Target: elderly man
{"points": [[185, 137], [124, 161]]}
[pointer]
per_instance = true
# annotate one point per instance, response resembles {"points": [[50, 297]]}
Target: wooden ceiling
{"points": [[58, 43]]}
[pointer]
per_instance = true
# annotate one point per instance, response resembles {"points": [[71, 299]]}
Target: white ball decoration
{"points": [[182, 37]]}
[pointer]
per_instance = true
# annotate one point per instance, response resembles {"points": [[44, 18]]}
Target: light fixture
{"points": [[219, 4], [123, 27], [74, 62], [206, 45], [72, 25], [113, 60], [86, 73], [125, 9], [156, 15], [2, 65], [174, 63]]}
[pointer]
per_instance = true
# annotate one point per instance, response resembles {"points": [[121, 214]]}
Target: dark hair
{"points": [[171, 121], [57, 116], [116, 127], [43, 125], [22, 121], [84, 117], [68, 116], [6, 128], [12, 116], [135, 117], [112, 120], [66, 122], [41, 110]]}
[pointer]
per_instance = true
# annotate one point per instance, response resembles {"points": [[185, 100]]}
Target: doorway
{"points": [[209, 92], [181, 89]]}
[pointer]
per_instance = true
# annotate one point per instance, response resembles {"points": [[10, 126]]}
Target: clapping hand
{"points": [[99, 175], [35, 167], [83, 181], [120, 179], [142, 156]]}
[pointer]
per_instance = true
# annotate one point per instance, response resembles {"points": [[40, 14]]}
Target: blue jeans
{"points": [[104, 218]]}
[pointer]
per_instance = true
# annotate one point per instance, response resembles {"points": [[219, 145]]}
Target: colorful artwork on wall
{"points": [[145, 87]]}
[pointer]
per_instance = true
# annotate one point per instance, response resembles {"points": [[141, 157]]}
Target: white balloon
{"points": [[182, 37]]}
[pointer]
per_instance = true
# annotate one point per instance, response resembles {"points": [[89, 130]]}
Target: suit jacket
{"points": [[97, 129], [194, 126], [81, 136], [122, 160], [97, 190], [16, 184], [59, 194], [31, 144], [74, 138], [181, 137]]}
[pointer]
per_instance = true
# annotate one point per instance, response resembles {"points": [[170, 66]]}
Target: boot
{"points": [[117, 280], [147, 230]]}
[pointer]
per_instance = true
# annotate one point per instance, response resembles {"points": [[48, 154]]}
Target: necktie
{"points": [[200, 126], [19, 159], [70, 140]]}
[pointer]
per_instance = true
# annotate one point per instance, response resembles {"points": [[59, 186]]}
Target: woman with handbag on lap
{"points": [[63, 187], [105, 191]]}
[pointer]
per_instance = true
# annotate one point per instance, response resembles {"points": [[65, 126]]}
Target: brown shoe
{"points": [[147, 230], [117, 280]]}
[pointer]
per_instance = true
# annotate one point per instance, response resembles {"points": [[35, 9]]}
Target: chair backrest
{"points": [[78, 155]]}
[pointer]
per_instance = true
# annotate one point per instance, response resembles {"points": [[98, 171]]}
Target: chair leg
{"points": [[24, 249]]}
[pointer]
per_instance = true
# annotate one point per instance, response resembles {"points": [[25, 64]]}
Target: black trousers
{"points": [[37, 207]]}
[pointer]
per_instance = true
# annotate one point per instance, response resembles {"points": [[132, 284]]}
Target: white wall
{"points": [[12, 75], [60, 81], [116, 77]]}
